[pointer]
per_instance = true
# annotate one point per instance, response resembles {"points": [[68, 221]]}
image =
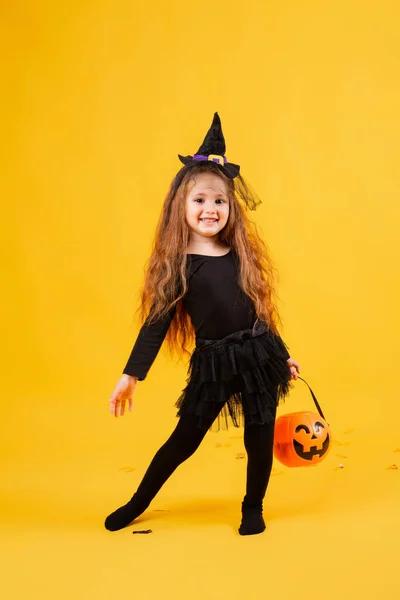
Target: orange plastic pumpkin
{"points": [[301, 439]]}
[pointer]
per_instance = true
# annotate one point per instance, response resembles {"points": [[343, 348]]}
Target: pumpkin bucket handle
{"points": [[314, 398]]}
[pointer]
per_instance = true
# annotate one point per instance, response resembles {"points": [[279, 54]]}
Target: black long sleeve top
{"points": [[216, 304]]}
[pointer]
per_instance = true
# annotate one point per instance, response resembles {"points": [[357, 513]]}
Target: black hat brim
{"points": [[230, 169]]}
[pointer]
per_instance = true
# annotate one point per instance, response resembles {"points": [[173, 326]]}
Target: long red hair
{"points": [[165, 282]]}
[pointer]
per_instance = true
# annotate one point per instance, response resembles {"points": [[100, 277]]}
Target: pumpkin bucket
{"points": [[303, 438]]}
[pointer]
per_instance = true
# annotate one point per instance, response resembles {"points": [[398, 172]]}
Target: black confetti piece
{"points": [[143, 531]]}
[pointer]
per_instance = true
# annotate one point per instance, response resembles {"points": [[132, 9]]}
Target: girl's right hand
{"points": [[123, 393]]}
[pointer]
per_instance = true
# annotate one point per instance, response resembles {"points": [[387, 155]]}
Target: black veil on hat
{"points": [[213, 149]]}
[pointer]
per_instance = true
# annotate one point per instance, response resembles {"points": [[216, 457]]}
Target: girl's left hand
{"points": [[294, 366]]}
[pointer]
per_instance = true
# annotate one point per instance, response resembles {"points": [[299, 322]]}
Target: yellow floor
{"points": [[332, 532]]}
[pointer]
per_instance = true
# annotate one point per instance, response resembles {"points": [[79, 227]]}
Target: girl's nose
{"points": [[209, 210]]}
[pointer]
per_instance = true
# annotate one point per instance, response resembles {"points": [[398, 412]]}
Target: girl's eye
{"points": [[220, 200]]}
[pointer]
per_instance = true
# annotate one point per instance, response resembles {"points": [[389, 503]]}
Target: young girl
{"points": [[210, 281]]}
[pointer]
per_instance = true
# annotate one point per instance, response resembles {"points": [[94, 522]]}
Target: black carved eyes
{"points": [[318, 425]]}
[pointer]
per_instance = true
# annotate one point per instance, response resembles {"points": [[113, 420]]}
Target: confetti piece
{"points": [[240, 455], [218, 445], [393, 468], [343, 443], [397, 450], [161, 510], [349, 431], [143, 531], [341, 466], [127, 469], [341, 455]]}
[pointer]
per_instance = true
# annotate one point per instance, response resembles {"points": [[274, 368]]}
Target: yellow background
{"points": [[98, 99]]}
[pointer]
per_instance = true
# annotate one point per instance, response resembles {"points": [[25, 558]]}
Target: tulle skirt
{"points": [[239, 378]]}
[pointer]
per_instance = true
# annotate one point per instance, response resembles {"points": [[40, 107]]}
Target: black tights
{"points": [[184, 441]]}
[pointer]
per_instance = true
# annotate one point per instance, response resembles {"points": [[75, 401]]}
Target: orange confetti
{"points": [[393, 468]]}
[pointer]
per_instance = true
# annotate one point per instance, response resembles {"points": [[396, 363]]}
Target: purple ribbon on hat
{"points": [[217, 158]]}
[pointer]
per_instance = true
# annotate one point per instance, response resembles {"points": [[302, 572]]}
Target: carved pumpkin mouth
{"points": [[313, 449]]}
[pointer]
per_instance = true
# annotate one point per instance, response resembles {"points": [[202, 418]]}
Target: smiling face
{"points": [[207, 207], [301, 439], [311, 440]]}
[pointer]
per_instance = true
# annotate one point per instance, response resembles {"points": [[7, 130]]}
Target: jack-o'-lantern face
{"points": [[311, 440], [301, 439]]}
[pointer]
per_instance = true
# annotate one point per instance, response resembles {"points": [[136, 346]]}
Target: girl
{"points": [[210, 281]]}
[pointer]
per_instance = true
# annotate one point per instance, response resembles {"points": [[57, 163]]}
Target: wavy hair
{"points": [[165, 283]]}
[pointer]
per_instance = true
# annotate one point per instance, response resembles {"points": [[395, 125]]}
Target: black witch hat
{"points": [[213, 149]]}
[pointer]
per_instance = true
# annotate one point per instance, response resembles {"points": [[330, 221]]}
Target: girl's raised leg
{"points": [[183, 442]]}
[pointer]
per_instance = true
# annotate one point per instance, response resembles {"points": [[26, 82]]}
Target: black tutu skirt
{"points": [[237, 379]]}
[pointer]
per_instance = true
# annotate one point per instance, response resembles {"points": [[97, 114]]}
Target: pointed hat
{"points": [[213, 149]]}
